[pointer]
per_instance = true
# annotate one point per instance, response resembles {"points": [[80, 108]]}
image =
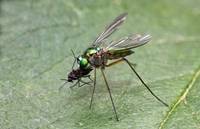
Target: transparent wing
{"points": [[129, 42], [112, 27]]}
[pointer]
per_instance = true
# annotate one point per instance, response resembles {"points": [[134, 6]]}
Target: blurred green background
{"points": [[35, 41]]}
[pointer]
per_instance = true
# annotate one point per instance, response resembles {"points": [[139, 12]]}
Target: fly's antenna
{"points": [[74, 59], [73, 53]]}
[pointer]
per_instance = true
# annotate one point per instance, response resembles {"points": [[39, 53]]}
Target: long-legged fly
{"points": [[101, 52]]}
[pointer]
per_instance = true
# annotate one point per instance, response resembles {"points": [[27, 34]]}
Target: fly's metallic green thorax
{"points": [[91, 51]]}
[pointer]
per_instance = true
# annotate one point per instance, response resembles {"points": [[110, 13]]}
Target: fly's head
{"points": [[83, 62]]}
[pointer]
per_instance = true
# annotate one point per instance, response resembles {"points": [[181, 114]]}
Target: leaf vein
{"points": [[181, 98]]}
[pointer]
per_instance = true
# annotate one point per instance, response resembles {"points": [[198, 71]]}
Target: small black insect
{"points": [[77, 75]]}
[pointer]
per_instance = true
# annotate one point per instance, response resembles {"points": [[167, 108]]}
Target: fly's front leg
{"points": [[84, 83], [78, 82], [89, 77]]}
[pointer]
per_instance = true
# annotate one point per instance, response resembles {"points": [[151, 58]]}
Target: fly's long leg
{"points": [[88, 76], [90, 79], [113, 105], [93, 88], [78, 82], [84, 83], [60, 88], [118, 61], [145, 83], [74, 59], [131, 66]]}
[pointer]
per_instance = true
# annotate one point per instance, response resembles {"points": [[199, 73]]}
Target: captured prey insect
{"points": [[101, 51], [78, 74]]}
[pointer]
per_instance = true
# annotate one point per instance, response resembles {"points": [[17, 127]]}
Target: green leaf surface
{"points": [[35, 41]]}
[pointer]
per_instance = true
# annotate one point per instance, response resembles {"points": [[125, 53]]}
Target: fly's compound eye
{"points": [[83, 63]]}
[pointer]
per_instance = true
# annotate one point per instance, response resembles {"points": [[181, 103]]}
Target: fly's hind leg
{"points": [[119, 61], [132, 68], [152, 93]]}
